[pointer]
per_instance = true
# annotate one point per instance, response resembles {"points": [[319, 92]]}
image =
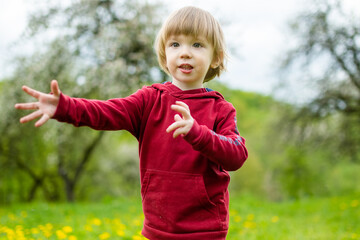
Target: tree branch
{"points": [[86, 156], [330, 44]]}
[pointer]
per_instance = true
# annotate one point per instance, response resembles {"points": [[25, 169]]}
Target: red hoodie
{"points": [[184, 180]]}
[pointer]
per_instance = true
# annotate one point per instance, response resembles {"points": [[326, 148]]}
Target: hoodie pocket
{"points": [[178, 203]]}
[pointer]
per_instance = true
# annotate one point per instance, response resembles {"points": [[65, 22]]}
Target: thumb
{"points": [[55, 88]]}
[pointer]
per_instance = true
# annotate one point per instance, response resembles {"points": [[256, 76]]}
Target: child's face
{"points": [[188, 60]]}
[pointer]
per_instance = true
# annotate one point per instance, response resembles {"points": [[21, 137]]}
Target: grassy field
{"points": [[250, 218]]}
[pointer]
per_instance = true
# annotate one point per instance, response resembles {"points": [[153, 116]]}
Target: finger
{"points": [[174, 126], [42, 120], [183, 104], [32, 92], [178, 132], [55, 88], [31, 116], [27, 106], [184, 112]]}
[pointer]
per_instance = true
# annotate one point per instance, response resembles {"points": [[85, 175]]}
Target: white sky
{"points": [[255, 28]]}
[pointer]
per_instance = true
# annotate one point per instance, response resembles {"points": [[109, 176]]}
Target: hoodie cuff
{"points": [[195, 134], [62, 108]]}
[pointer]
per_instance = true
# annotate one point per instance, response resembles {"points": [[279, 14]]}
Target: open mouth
{"points": [[186, 68]]}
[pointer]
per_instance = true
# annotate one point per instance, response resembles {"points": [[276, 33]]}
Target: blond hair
{"points": [[195, 22]]}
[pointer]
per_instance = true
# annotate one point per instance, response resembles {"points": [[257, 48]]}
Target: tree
{"points": [[97, 49], [327, 51]]}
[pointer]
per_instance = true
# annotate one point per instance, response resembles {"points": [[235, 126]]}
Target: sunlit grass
{"points": [[250, 218]]}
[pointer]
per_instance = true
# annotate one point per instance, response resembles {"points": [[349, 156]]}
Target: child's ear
{"points": [[217, 60]]}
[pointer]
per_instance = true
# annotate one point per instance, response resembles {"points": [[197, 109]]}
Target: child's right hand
{"points": [[46, 106]]}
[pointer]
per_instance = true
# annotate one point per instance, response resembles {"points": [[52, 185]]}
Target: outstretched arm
{"points": [[45, 106]]}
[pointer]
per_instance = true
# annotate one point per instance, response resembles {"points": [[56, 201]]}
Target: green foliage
{"points": [[287, 158], [343, 178], [101, 49], [255, 117], [296, 174], [327, 54], [117, 158], [320, 138]]}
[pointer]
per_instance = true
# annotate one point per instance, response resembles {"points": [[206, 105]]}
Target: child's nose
{"points": [[185, 52]]}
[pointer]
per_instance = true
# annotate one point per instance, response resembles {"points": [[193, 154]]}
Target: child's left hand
{"points": [[182, 125]]}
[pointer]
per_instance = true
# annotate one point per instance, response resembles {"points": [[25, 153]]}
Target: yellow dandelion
{"points": [[248, 224], [49, 226], [115, 221], [118, 224], [275, 219], [19, 227], [88, 228], [67, 229], [120, 233], [10, 233], [233, 212], [12, 216], [47, 233], [121, 226], [354, 236], [137, 222], [136, 237], [60, 234], [250, 217], [343, 206], [72, 237], [237, 219], [96, 221], [354, 203], [19, 233], [104, 235], [34, 231]]}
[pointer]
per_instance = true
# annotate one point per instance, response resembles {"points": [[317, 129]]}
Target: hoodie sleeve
{"points": [[224, 146], [113, 114]]}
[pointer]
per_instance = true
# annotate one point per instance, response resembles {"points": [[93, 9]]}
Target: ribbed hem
{"points": [[194, 135], [154, 234]]}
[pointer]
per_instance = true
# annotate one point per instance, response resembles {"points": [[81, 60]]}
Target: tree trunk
{"points": [[36, 184], [70, 183]]}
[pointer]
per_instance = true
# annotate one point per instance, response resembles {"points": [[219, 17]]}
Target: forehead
{"points": [[183, 37]]}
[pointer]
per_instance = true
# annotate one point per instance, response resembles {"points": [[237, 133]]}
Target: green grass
{"points": [[326, 218], [250, 218]]}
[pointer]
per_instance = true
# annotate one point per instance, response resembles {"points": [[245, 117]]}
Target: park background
{"points": [[293, 76]]}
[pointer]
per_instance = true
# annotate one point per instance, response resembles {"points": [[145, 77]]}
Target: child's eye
{"points": [[197, 45], [174, 44]]}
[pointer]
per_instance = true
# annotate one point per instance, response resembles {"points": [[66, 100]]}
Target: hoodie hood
{"points": [[187, 94]]}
